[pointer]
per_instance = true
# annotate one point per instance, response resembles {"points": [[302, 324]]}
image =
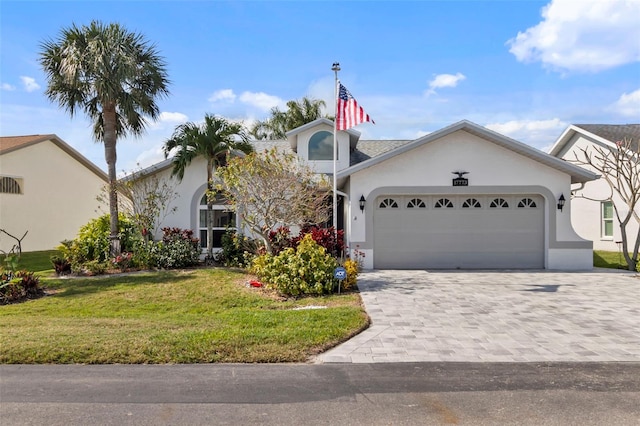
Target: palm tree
{"points": [[215, 139], [114, 76], [297, 114]]}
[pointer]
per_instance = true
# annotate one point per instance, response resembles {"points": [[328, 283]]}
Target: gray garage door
{"points": [[449, 232]]}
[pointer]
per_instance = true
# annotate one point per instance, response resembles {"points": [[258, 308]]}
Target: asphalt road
{"points": [[329, 394]]}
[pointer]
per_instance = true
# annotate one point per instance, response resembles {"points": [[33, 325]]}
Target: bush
{"points": [[351, 266], [61, 265], [92, 243], [19, 286], [237, 250], [308, 269], [178, 249], [333, 242]]}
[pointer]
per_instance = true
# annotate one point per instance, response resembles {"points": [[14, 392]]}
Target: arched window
{"points": [[471, 203], [416, 202], [223, 219], [443, 203], [9, 185], [527, 203], [499, 203], [388, 203], [321, 146]]}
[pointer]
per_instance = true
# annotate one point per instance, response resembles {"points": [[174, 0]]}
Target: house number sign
{"points": [[460, 180]]}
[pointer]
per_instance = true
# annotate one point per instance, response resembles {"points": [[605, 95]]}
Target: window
{"points": [[388, 203], [443, 203], [9, 185], [321, 146], [471, 203], [499, 203], [527, 203], [607, 219], [223, 219], [416, 202]]}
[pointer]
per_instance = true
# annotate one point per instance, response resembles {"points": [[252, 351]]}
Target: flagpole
{"points": [[335, 68]]}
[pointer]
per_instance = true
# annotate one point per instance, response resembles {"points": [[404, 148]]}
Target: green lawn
{"points": [[608, 259], [35, 261], [193, 316]]}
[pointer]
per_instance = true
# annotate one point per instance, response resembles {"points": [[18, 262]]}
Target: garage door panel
{"points": [[458, 237]]}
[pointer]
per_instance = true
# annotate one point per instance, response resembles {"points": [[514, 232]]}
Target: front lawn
{"points": [[609, 259], [35, 261], [192, 316]]}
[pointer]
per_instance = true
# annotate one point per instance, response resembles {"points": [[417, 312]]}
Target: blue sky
{"points": [[526, 69]]}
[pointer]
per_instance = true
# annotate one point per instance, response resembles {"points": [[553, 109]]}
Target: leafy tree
{"points": [[215, 139], [298, 113], [619, 166], [114, 76], [273, 189]]}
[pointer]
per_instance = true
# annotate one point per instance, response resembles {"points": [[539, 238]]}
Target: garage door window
{"points": [[471, 203], [499, 203], [388, 203], [416, 203], [527, 203], [443, 203]]}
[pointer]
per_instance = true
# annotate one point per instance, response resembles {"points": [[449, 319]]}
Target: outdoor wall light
{"points": [[362, 203], [561, 202]]}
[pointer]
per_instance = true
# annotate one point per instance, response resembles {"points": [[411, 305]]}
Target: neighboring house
{"points": [[500, 211], [592, 213], [46, 188]]}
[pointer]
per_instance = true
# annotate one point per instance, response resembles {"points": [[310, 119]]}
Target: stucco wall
{"points": [[59, 196], [586, 212], [490, 166], [325, 166]]}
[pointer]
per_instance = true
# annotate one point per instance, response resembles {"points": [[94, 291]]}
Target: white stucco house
{"points": [[461, 197], [46, 188], [592, 211]]}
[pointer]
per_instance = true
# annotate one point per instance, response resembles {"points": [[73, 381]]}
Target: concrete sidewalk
{"points": [[505, 316]]}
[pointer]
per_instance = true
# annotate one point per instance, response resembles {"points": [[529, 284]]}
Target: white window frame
{"points": [[604, 220], [216, 207]]}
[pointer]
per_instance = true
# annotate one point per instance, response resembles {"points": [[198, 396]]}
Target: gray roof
{"points": [[613, 132], [372, 148]]}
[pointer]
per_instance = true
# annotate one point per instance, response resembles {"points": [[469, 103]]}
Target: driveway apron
{"points": [[505, 316]]}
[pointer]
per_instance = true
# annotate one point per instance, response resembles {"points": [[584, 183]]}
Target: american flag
{"points": [[348, 112]]}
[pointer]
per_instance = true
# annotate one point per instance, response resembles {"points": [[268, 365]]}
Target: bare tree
{"points": [[146, 200], [272, 189], [619, 166]]}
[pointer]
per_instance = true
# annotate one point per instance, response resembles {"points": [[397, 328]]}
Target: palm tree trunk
{"points": [[109, 121]]}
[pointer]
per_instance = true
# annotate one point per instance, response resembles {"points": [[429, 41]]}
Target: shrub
{"points": [[237, 249], [352, 269], [308, 269], [19, 286], [92, 242], [61, 265], [333, 242], [123, 261], [178, 249]]}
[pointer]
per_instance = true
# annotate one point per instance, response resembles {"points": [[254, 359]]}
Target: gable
{"points": [[489, 139]]}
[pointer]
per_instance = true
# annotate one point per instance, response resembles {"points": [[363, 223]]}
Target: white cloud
{"points": [[538, 133], [173, 117], [444, 80], [582, 36], [149, 157], [29, 83], [628, 104], [261, 100], [225, 95], [7, 87]]}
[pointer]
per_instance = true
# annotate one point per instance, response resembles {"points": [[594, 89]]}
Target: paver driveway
{"points": [[514, 316]]}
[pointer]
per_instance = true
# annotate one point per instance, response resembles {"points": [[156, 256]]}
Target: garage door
{"points": [[450, 232]]}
